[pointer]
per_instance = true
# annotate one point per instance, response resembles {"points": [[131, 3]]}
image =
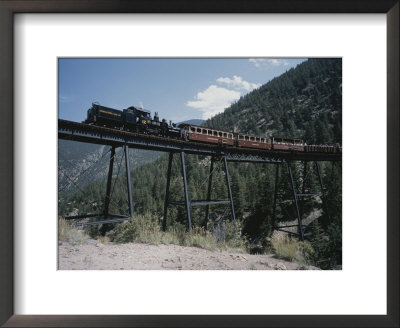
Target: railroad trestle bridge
{"points": [[81, 132]]}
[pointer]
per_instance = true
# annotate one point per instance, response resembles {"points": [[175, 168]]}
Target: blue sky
{"points": [[178, 89]]}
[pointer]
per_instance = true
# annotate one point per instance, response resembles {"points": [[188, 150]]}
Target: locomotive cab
{"points": [[136, 118]]}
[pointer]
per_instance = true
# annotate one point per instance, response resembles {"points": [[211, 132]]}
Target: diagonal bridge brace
{"points": [[191, 203], [299, 198], [105, 215]]}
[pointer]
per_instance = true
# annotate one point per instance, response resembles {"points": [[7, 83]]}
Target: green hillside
{"points": [[305, 102]]}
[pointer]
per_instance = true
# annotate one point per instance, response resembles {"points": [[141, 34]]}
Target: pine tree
{"points": [[238, 196]]}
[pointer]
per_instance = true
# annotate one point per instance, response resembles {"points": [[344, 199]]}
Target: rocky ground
{"points": [[93, 255]]}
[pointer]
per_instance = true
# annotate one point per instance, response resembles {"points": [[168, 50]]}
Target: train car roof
{"points": [[250, 135]]}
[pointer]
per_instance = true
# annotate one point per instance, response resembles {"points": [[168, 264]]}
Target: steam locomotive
{"points": [[131, 119], [139, 120]]}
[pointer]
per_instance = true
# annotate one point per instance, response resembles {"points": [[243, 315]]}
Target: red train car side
{"points": [[287, 144], [207, 135], [253, 142], [198, 133]]}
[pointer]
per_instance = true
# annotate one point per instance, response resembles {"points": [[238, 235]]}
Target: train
{"points": [[131, 119], [139, 120]]}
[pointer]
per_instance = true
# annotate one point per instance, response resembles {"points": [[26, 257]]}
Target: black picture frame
{"points": [[7, 10]]}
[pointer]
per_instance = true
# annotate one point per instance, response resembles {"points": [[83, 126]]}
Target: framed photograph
{"points": [[184, 62]]}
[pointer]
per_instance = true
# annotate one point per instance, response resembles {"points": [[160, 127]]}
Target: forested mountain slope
{"points": [[305, 102]]}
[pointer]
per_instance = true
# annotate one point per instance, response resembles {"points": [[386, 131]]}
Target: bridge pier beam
{"points": [[322, 191], [166, 201], [128, 180], [209, 191], [185, 187], [109, 180], [229, 191], [299, 217]]}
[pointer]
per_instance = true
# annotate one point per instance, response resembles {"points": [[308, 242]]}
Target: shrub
{"points": [[142, 229], [306, 253], [66, 232], [286, 250], [291, 249], [229, 237], [201, 238], [146, 229]]}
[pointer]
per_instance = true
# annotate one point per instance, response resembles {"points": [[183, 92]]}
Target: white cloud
{"points": [[238, 83], [213, 100], [258, 62], [141, 104]]}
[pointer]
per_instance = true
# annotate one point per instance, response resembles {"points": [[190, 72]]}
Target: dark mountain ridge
{"points": [[305, 102]]}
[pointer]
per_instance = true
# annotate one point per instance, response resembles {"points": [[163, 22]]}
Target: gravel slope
{"points": [[97, 256]]}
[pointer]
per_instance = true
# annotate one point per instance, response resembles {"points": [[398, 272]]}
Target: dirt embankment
{"points": [[93, 255]]}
